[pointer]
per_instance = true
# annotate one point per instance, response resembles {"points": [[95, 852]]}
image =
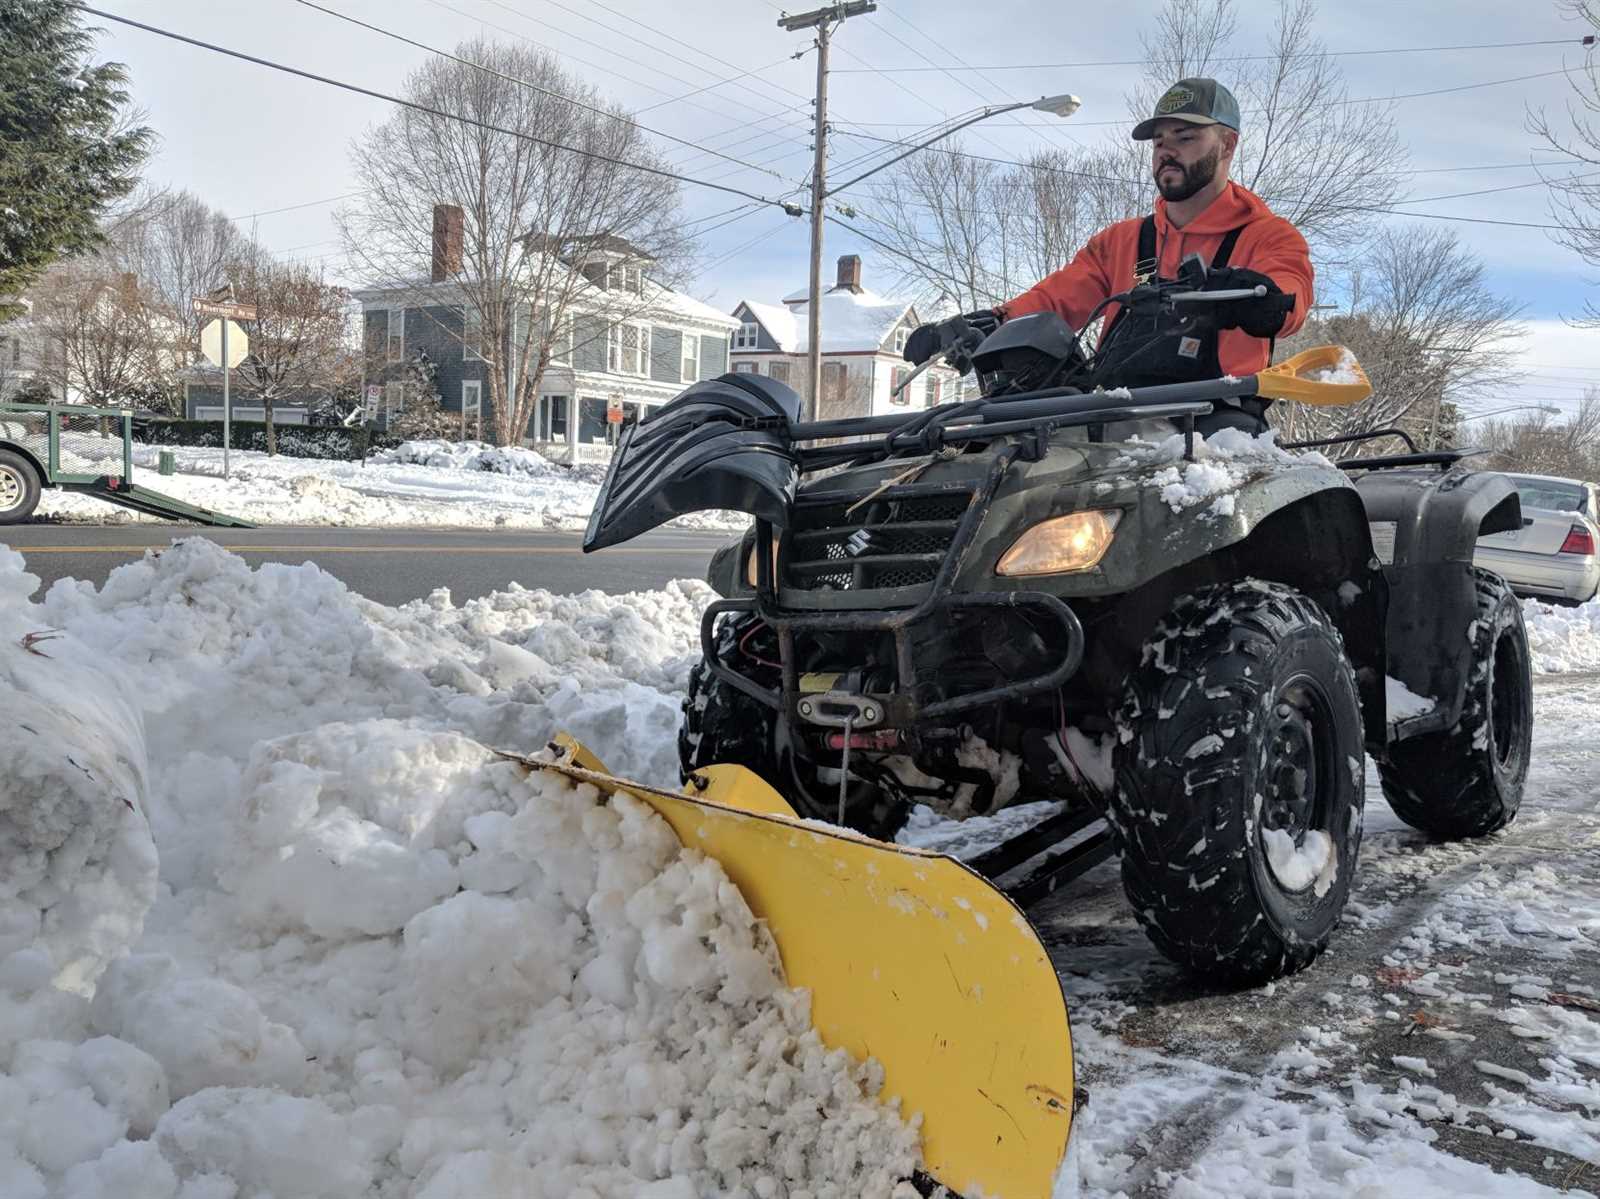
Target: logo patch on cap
{"points": [[1176, 98]]}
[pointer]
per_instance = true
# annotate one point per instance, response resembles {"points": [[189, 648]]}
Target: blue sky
{"points": [[249, 140]]}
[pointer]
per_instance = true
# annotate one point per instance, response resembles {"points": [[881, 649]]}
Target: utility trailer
{"points": [[74, 447]]}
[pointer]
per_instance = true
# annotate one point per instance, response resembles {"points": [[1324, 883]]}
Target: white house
{"points": [[626, 343], [863, 335]]}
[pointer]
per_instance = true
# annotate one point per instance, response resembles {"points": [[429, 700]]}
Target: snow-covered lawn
{"points": [[275, 922], [423, 484]]}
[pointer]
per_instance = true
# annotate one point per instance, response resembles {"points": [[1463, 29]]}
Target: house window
{"points": [[550, 419], [935, 388], [896, 377], [629, 349], [471, 335], [778, 370], [397, 334], [900, 336], [472, 408], [394, 399], [691, 357], [635, 280], [745, 337], [745, 368]]}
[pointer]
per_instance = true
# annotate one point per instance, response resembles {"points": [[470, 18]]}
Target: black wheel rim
{"points": [[1298, 777], [1508, 706]]}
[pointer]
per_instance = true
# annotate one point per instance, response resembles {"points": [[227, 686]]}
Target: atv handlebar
{"points": [[1218, 297]]}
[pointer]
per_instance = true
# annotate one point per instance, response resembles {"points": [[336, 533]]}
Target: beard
{"points": [[1192, 179]]}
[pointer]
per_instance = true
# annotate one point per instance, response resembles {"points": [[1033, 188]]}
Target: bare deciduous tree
{"points": [[985, 231], [91, 326], [1540, 443], [1574, 191], [534, 198], [298, 339], [1428, 331]]}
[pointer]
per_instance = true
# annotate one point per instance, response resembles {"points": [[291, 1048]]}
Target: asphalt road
{"points": [[388, 565]]}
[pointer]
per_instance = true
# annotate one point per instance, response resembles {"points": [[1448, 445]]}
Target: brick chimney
{"points": [[849, 273], [449, 225]]}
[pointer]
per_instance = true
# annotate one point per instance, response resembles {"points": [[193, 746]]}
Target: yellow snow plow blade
{"points": [[1324, 376], [910, 958]]}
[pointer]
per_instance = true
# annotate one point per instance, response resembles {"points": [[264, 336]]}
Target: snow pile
{"points": [[381, 960], [1222, 464], [472, 455], [1563, 640], [439, 487]]}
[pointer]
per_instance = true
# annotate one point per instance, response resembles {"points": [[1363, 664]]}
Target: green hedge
{"points": [[294, 441]]}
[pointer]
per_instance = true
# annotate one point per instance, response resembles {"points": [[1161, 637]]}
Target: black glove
{"points": [[927, 340], [1261, 316]]}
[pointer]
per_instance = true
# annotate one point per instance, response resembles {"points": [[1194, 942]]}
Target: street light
{"points": [[1062, 106], [1547, 409]]}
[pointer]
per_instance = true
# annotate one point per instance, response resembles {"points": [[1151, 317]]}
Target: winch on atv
{"points": [[994, 601]]}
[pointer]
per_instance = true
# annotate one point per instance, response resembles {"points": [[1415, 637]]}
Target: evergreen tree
{"points": [[68, 148]]}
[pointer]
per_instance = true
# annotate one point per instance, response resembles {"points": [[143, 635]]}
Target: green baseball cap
{"points": [[1198, 101]]}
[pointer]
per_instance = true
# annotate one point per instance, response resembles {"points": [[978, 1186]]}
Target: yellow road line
{"points": [[347, 549]]}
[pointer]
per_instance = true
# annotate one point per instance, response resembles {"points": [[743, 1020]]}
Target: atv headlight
{"points": [[1061, 544], [750, 563]]}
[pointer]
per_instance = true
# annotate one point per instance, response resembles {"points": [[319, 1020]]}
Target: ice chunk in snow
{"points": [[77, 863]]}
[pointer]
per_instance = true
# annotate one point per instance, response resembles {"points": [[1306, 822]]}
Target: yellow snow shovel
{"points": [[910, 958]]}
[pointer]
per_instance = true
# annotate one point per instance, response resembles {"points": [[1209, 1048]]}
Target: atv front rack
{"points": [[901, 707]]}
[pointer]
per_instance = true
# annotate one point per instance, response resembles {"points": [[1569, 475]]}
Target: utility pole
{"points": [[822, 20]]}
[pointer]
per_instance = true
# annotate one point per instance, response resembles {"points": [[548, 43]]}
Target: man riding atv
{"points": [[1193, 134], [1056, 590]]}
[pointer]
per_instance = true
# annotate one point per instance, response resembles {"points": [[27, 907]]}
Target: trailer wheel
{"points": [[722, 724], [1467, 781], [19, 488], [1239, 782]]}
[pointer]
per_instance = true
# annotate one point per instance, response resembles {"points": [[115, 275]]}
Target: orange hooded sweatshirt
{"points": [[1105, 266]]}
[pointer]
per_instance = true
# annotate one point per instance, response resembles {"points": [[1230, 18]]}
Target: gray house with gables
{"points": [[626, 346]]}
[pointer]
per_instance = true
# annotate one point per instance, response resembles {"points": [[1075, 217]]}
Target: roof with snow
{"points": [[851, 321]]}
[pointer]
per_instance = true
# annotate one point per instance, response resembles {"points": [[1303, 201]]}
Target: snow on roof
{"points": [[779, 322], [851, 321]]}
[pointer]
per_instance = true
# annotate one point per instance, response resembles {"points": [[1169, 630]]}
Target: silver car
{"points": [[1553, 555]]}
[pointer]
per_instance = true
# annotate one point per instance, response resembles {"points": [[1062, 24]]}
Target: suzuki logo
{"points": [[859, 542]]}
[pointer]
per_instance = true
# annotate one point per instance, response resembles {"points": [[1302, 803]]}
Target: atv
{"points": [[1187, 636]]}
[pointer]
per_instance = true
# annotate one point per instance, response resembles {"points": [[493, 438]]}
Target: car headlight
{"points": [[1061, 544], [750, 563]]}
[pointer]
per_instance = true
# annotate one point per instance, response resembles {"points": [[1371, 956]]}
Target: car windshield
{"points": [[1550, 494]]}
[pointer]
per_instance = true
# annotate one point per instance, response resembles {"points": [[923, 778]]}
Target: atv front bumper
{"points": [[899, 708]]}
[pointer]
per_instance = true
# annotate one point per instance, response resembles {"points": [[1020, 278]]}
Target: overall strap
{"points": [[1225, 250], [1145, 262]]}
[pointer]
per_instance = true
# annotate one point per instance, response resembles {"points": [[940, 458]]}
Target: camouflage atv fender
{"points": [[1155, 535]]}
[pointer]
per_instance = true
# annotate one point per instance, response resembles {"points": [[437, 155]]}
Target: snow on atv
{"points": [[1119, 599]]}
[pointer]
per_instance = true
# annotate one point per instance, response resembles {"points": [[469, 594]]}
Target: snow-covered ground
{"points": [[423, 484], [274, 921]]}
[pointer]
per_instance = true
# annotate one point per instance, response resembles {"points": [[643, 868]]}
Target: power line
{"points": [[544, 91], [423, 108], [1137, 62], [611, 70], [1438, 91], [1433, 216]]}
